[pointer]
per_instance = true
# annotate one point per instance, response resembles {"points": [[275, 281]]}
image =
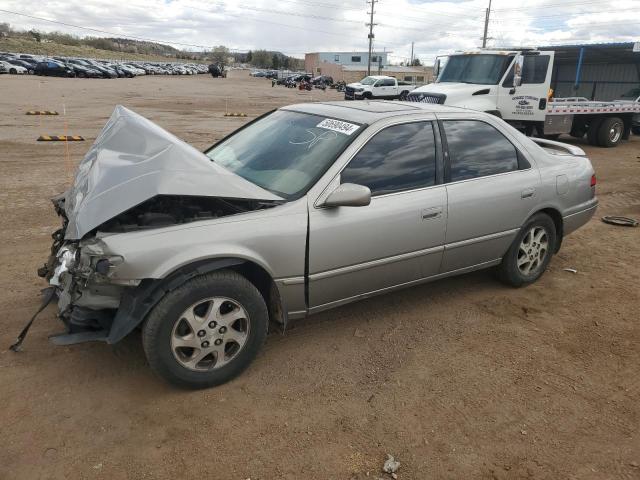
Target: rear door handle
{"points": [[528, 192], [429, 213]]}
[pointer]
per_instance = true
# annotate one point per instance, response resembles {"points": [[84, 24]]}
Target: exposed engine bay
{"points": [[166, 210]]}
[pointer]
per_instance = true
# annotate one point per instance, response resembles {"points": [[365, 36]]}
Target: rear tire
{"points": [[13, 71], [610, 132], [183, 338], [530, 253]]}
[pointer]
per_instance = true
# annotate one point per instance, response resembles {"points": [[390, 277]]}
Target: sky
{"points": [[295, 27]]}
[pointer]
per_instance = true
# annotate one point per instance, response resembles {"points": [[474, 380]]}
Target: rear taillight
{"points": [[593, 180]]}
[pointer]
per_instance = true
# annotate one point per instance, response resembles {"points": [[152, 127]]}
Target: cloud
{"points": [[298, 26]]}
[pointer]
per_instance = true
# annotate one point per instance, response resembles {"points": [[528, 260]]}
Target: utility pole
{"points": [[411, 64], [371, 35], [486, 25]]}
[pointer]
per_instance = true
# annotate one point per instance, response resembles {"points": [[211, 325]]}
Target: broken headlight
{"points": [[67, 259]]}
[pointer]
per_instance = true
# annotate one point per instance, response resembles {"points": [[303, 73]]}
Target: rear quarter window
{"points": [[477, 149]]}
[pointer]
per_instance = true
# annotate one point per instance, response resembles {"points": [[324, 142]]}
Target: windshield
{"points": [[284, 152], [476, 69], [368, 81]]}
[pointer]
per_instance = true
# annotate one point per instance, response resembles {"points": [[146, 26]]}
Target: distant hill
{"points": [[57, 43], [49, 48]]}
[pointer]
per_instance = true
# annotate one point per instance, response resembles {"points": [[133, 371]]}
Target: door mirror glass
{"points": [[349, 195], [518, 65]]}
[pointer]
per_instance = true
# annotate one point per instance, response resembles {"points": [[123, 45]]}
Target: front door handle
{"points": [[528, 192], [429, 213]]}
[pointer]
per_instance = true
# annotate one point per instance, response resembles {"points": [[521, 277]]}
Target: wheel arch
{"points": [[137, 303], [558, 222]]}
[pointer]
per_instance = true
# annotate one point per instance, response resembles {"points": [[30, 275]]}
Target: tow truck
{"points": [[514, 84]]}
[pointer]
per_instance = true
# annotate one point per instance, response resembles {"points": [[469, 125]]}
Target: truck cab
{"points": [[377, 87], [511, 84]]}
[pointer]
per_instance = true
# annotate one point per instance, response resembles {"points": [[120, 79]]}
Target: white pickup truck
{"points": [[378, 87], [515, 86]]}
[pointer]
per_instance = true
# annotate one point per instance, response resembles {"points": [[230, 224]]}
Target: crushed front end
{"points": [[79, 270]]}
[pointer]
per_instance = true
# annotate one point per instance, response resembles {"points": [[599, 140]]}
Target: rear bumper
{"points": [[572, 222]]}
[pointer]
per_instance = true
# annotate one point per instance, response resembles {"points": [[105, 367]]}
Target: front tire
{"points": [[207, 331], [530, 253]]}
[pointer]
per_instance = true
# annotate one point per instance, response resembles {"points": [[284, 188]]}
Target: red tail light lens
{"points": [[593, 180]]}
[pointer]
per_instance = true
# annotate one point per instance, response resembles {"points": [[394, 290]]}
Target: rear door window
{"points": [[477, 149]]}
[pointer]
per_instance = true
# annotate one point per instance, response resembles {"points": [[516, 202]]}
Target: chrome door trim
{"points": [[289, 280], [374, 263], [484, 238]]}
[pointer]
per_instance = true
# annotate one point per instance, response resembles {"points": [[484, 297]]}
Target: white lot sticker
{"points": [[338, 126]]}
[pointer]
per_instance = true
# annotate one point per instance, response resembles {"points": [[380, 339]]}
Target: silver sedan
{"points": [[303, 209]]}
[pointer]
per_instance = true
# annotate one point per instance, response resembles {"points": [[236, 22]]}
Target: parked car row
{"points": [[15, 63]]}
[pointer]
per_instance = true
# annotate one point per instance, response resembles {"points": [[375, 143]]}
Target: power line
{"points": [[568, 16], [552, 4], [144, 39]]}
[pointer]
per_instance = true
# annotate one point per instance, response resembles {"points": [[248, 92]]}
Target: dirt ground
{"points": [[463, 378]]}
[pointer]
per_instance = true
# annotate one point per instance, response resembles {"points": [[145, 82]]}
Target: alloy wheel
{"points": [[210, 333], [533, 250]]}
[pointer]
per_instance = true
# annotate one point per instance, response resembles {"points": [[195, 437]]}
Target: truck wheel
{"points": [[610, 132], [403, 95], [207, 331], [530, 253], [592, 133], [13, 71], [366, 96]]}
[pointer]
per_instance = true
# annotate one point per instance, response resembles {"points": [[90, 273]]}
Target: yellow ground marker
{"points": [[233, 114], [42, 112], [60, 138]]}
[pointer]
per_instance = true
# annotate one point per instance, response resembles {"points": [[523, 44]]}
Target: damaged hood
{"points": [[133, 160]]}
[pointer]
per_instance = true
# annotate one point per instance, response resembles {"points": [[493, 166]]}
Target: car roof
{"points": [[366, 111]]}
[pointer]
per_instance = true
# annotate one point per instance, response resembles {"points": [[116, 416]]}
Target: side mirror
{"points": [[436, 69], [518, 64], [349, 195]]}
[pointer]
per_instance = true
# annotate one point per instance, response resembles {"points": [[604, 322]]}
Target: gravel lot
{"points": [[463, 378]]}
